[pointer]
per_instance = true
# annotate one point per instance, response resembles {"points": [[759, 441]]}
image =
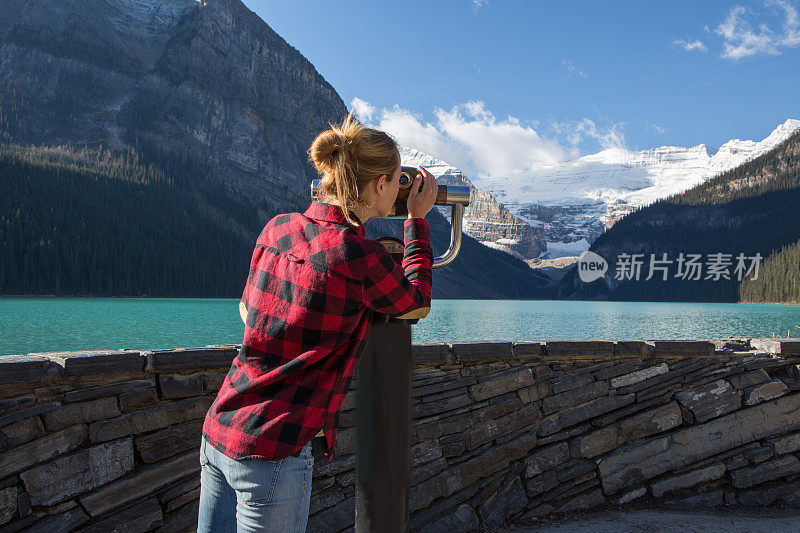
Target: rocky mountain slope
{"points": [[206, 82], [206, 92]]}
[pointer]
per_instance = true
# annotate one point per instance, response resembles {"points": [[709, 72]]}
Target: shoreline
{"points": [[25, 296]]}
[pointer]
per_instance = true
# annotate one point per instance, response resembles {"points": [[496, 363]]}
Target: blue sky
{"points": [[570, 77]]}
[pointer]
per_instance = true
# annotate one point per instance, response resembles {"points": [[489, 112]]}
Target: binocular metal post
{"points": [[383, 417], [383, 405]]}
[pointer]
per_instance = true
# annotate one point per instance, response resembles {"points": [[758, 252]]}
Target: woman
{"points": [[315, 281]]}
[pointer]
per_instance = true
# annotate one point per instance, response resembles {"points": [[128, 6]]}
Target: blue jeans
{"points": [[254, 494]]}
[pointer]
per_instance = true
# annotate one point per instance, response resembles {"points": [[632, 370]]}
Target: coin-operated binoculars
{"points": [[383, 406]]}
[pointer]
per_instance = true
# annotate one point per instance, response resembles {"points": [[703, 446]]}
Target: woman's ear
{"points": [[380, 184]]}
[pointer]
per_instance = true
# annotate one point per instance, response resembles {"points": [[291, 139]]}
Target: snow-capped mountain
{"points": [[577, 199], [570, 203]]}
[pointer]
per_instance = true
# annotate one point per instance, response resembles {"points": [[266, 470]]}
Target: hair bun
{"points": [[328, 147]]}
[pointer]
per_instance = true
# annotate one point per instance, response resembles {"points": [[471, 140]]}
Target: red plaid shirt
{"points": [[313, 285]]}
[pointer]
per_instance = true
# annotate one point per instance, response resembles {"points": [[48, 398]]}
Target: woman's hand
{"points": [[420, 200]]}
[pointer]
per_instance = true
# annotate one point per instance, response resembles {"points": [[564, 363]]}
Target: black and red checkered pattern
{"points": [[314, 283]]}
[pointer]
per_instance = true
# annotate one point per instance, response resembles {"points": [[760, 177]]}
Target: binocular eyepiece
{"points": [[407, 177]]}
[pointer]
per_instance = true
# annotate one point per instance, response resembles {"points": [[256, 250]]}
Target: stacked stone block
{"points": [[102, 441], [97, 441], [512, 431]]}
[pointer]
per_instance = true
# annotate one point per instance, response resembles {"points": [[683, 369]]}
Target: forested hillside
{"points": [[90, 223], [779, 279]]}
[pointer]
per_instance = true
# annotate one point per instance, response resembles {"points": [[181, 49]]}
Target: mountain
{"points": [[573, 202], [740, 229], [195, 112]]}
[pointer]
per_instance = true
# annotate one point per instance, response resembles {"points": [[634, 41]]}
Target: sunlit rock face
{"points": [[207, 82]]}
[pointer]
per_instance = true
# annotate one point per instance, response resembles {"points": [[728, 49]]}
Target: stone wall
{"points": [[501, 431]]}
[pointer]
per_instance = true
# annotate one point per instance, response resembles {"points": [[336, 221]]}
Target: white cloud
{"points": [[470, 137], [655, 127], [742, 40], [690, 46], [362, 109], [573, 69], [791, 27], [577, 132], [477, 4], [743, 35], [496, 145]]}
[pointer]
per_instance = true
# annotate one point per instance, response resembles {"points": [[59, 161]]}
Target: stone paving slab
{"points": [[735, 520]]}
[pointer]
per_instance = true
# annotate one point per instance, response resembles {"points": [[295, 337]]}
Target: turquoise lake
{"points": [[58, 324]]}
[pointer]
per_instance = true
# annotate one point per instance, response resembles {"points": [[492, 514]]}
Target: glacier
{"points": [[619, 174]]}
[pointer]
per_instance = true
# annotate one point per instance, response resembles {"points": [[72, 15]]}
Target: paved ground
{"points": [[663, 521]]}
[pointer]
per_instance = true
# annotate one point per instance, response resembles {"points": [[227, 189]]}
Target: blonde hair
{"points": [[349, 156]]}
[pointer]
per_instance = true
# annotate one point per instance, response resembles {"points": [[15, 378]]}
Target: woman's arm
{"points": [[394, 290]]}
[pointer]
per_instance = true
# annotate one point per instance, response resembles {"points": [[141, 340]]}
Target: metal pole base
{"points": [[383, 414]]}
